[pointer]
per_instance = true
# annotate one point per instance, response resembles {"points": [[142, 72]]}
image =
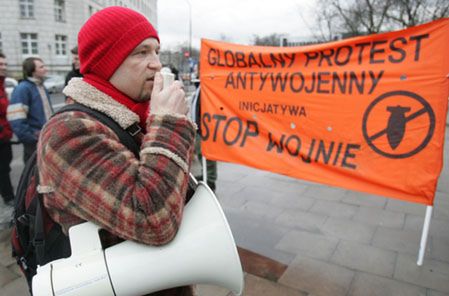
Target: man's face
{"points": [[76, 61], [3, 67], [135, 76], [41, 71]]}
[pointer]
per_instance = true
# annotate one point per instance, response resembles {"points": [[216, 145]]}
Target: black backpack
{"points": [[35, 238]]}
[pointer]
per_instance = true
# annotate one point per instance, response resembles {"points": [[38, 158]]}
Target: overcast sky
{"points": [[237, 20]]}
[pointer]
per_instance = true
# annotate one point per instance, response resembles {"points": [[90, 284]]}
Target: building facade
{"points": [[49, 28]]}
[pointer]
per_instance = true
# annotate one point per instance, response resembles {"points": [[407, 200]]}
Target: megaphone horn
{"points": [[203, 252]]}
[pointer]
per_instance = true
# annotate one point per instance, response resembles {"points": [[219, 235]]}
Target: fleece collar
{"points": [[89, 96]]}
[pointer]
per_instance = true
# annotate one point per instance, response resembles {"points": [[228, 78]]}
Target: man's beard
{"points": [[144, 96]]}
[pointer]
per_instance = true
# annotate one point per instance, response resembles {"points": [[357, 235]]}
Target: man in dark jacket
{"points": [[211, 165], [75, 66], [30, 108], [6, 190]]}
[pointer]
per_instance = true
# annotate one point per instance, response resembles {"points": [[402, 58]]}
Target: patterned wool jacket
{"points": [[87, 174]]}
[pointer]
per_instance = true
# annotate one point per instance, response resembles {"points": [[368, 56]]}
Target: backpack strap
{"points": [[127, 137], [25, 218], [39, 239]]}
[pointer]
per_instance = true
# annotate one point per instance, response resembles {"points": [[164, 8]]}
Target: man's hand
{"points": [[171, 100]]}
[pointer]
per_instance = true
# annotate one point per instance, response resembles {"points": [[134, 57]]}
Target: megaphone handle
{"points": [[204, 163], [191, 187], [193, 182]]}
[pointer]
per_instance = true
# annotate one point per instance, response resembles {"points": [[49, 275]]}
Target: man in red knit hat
{"points": [[86, 173]]}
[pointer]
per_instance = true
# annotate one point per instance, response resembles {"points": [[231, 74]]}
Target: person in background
{"points": [[174, 71], [87, 174], [30, 107], [75, 72], [6, 190], [211, 165]]}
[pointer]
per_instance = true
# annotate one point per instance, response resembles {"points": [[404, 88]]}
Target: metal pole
{"points": [[190, 28], [425, 234], [204, 163]]}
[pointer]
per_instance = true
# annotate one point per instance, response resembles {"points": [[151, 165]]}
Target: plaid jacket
{"points": [[87, 174]]}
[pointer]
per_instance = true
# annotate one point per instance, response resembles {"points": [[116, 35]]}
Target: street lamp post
{"points": [[190, 27]]}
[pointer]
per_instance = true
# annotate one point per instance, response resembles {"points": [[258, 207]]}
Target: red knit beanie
{"points": [[108, 37], [104, 42]]}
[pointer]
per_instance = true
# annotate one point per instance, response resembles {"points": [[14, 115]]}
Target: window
{"points": [[29, 43], [26, 8], [61, 45], [59, 10]]}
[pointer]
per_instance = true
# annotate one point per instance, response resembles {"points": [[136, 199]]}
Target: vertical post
{"points": [[204, 164], [190, 30], [190, 27], [424, 235]]}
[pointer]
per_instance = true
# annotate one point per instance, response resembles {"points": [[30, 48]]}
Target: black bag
{"points": [[35, 238]]}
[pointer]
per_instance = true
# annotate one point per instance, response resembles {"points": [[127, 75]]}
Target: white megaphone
{"points": [[203, 252]]}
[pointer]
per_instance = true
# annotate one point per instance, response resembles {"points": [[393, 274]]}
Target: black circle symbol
{"points": [[427, 109]]}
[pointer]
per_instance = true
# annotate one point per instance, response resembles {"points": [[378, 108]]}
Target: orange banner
{"points": [[366, 113]]}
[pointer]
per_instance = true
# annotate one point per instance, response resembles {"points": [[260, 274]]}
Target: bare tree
{"points": [[269, 40], [326, 21], [224, 37], [359, 17], [408, 13], [351, 17]]}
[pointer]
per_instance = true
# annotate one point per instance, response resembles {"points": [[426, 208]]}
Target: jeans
{"points": [[6, 190], [211, 166], [28, 149]]}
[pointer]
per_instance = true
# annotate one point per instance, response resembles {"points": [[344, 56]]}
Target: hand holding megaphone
{"points": [[167, 78], [168, 96], [203, 252]]}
